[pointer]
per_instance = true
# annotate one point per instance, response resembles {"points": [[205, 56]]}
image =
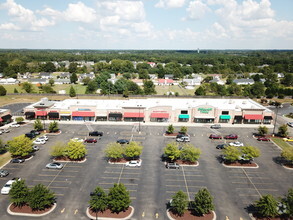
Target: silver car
{"points": [[54, 166]]}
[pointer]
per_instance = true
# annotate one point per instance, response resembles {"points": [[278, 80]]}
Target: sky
{"points": [[146, 24]]}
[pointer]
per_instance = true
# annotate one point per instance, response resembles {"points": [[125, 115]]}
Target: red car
{"points": [[90, 140], [263, 139], [231, 136], [215, 136]]}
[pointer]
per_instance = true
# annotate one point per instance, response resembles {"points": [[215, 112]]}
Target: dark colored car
{"points": [[215, 136], [90, 140], [96, 133], [123, 141], [263, 139], [3, 173], [17, 160], [231, 136], [216, 126], [35, 132], [221, 146], [30, 135], [180, 135]]}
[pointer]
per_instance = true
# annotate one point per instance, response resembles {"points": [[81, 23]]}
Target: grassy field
{"points": [[282, 144], [163, 90], [4, 158]]}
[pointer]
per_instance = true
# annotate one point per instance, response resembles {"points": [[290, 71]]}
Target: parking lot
{"points": [[151, 186]]}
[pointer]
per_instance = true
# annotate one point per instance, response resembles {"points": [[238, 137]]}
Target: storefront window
{"points": [[251, 121], [159, 119], [204, 120], [101, 118], [133, 119], [224, 120], [65, 117]]}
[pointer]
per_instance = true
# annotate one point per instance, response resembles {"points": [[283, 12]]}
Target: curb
{"points": [[31, 215], [169, 216], [288, 168], [128, 217], [120, 162], [241, 166], [31, 157]]}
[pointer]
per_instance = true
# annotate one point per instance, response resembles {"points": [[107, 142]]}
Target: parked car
{"points": [[5, 130], [7, 187], [54, 165], [16, 160], [45, 138], [35, 148], [14, 125], [263, 139], [215, 136], [231, 136], [172, 166], [35, 132], [39, 141], [4, 173], [288, 139], [183, 139], [122, 141], [96, 133], [133, 163], [90, 140], [77, 139], [30, 135], [221, 146], [290, 124], [216, 126], [236, 144]]}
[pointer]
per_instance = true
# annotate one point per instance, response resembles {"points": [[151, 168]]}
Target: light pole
{"points": [[277, 106], [139, 118]]}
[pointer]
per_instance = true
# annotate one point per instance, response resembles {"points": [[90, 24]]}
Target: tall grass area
{"points": [[4, 158], [282, 144]]}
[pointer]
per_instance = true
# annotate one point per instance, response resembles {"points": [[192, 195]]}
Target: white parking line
{"points": [[251, 182], [56, 176], [120, 174], [185, 183]]}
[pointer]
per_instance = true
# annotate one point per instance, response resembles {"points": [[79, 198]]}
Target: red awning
{"points": [[83, 114], [159, 115], [41, 113], [253, 117], [133, 115], [1, 119]]}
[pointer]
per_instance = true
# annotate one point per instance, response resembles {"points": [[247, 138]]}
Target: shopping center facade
{"points": [[172, 110]]}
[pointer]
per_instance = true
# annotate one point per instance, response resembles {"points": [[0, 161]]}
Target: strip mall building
{"points": [[237, 111]]}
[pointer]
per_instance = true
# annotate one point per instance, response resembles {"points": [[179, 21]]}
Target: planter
{"points": [[107, 214], [189, 216], [66, 159], [27, 211], [240, 165]]}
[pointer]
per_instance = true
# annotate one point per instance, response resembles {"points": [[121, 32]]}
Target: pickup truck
{"points": [[96, 133], [172, 166]]}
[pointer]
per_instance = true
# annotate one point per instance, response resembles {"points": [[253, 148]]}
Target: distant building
{"points": [[280, 75], [243, 81], [45, 75], [38, 81], [9, 81], [62, 81]]}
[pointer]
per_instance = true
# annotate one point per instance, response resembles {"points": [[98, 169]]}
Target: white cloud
{"points": [[9, 26], [170, 3], [80, 12], [197, 9]]}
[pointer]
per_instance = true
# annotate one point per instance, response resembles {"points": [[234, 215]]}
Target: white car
{"points": [[7, 187], [39, 141], [236, 144], [133, 163], [35, 148], [290, 124], [45, 138], [77, 139], [14, 125], [54, 165]]}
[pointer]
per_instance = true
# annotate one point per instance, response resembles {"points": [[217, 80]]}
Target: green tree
{"points": [[48, 89], [15, 90], [58, 149], [38, 125], [183, 130], [200, 91], [133, 149], [267, 206], [75, 150], [28, 87], [51, 82], [170, 129], [289, 202], [20, 146], [91, 87], [203, 202], [3, 147], [118, 198], [262, 130], [72, 69], [19, 120], [114, 151], [149, 87], [73, 78], [288, 79], [179, 203], [189, 153], [258, 89], [250, 152], [53, 126], [3, 91], [287, 153], [40, 197], [86, 81], [72, 92], [172, 151], [99, 200], [231, 153], [283, 130], [19, 193]]}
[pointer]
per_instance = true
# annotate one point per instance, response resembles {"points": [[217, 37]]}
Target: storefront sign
{"points": [[204, 110]]}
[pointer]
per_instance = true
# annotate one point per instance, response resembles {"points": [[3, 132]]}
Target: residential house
{"points": [[169, 82], [38, 81], [45, 75], [253, 74], [139, 82], [65, 75], [85, 75], [192, 82], [169, 76], [153, 76], [243, 81], [9, 81], [62, 81], [113, 75], [280, 75], [152, 64], [216, 79]]}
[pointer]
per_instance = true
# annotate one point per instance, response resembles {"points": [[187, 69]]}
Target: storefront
{"points": [[204, 114], [252, 119], [183, 118], [115, 116], [41, 115], [133, 116], [53, 115], [267, 119], [159, 117], [65, 115], [6, 119], [30, 115], [101, 117], [238, 119], [224, 118], [83, 116]]}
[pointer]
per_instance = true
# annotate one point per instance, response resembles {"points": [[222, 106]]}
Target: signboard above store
{"points": [[205, 110]]}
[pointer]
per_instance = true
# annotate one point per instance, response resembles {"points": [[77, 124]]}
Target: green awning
{"points": [[183, 116], [225, 117]]}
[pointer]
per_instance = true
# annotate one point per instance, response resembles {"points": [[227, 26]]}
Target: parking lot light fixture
{"points": [[139, 106]]}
